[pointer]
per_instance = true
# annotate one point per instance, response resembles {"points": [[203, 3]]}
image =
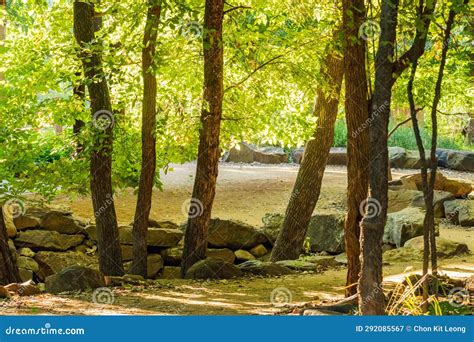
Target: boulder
{"points": [[25, 251], [458, 188], [243, 255], [271, 226], [172, 256], [337, 156], [74, 278], [26, 221], [156, 237], [161, 224], [27, 288], [127, 252], [221, 253], [321, 260], [403, 225], [27, 263], [401, 199], [47, 240], [460, 212], [91, 231], [341, 259], [402, 254], [297, 155], [171, 272], [211, 268], [458, 160], [154, 265], [234, 235], [259, 251], [326, 233], [397, 156], [241, 153], [439, 197], [444, 247], [257, 267], [412, 160], [62, 223], [297, 265], [25, 274], [52, 262], [4, 293]]}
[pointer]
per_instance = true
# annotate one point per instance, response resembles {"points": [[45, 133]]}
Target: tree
{"points": [[147, 176], [428, 183], [356, 108], [8, 268], [110, 257], [195, 243], [307, 187], [371, 297]]}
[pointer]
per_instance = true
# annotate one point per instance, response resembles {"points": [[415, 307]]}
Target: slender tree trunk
{"points": [[371, 297], [8, 268], [308, 182], [357, 117], [79, 91], [147, 176], [195, 243], [110, 258]]}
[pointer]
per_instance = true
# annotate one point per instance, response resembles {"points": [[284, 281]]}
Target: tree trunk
{"points": [[79, 91], [195, 243], [147, 176], [8, 269], [308, 182], [110, 257], [357, 118], [371, 297]]}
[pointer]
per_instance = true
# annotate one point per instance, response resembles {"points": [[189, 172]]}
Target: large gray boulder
{"points": [[439, 197], [457, 160], [53, 262], [221, 253], [401, 199], [257, 267], [326, 233], [27, 263], [156, 237], [460, 212], [403, 225], [234, 235], [74, 278], [211, 268], [397, 156], [247, 153], [47, 240]]}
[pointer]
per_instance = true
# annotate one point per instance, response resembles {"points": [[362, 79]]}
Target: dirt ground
{"points": [[246, 193]]}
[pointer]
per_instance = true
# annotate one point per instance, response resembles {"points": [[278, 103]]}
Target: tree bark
{"points": [[8, 268], [147, 176], [357, 118], [110, 257], [371, 297], [195, 243], [307, 187]]}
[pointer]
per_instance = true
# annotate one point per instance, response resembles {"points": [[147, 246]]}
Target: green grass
{"points": [[404, 137]]}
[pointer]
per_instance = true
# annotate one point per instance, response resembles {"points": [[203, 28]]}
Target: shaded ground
{"points": [[245, 193]]}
